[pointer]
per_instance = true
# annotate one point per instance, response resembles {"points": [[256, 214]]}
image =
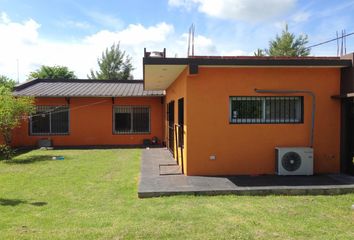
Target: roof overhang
{"points": [[159, 73]]}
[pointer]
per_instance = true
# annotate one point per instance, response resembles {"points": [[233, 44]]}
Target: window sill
{"points": [[264, 123], [133, 133], [48, 134]]}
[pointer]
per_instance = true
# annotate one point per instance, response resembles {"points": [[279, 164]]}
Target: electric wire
{"points": [[71, 109], [331, 40]]}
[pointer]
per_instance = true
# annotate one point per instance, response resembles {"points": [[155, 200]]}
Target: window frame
{"points": [[263, 119], [50, 133], [132, 120]]}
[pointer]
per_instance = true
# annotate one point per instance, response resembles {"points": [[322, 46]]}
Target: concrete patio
{"points": [[160, 176]]}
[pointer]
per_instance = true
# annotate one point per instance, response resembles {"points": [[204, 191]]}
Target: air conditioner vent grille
{"points": [[294, 161], [291, 161]]}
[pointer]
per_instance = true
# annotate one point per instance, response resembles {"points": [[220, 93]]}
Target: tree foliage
{"points": [[287, 44], [113, 64], [7, 82], [52, 72], [12, 111], [260, 53]]}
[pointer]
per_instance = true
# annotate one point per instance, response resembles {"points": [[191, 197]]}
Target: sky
{"points": [[74, 33]]}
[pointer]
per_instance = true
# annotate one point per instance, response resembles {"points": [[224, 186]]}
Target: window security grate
{"points": [[50, 120], [131, 119], [266, 109]]}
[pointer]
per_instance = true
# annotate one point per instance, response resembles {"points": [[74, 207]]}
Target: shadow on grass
{"points": [[17, 152], [29, 159], [15, 202]]}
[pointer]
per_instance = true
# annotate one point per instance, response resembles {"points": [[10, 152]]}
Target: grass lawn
{"points": [[92, 194]]}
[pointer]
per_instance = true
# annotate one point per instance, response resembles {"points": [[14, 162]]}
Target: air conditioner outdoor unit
{"points": [[294, 161]]}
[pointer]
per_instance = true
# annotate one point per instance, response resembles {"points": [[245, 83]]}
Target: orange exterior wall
{"points": [[174, 92], [91, 123], [249, 148]]}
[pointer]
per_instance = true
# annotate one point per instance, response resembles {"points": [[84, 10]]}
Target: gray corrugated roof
{"points": [[84, 88]]}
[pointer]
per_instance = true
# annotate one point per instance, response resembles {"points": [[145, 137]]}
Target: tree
{"points": [[54, 72], [288, 45], [259, 53], [7, 82], [12, 111], [114, 64]]}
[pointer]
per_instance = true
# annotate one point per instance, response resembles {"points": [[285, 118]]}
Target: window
{"points": [[129, 119], [50, 120], [266, 109]]}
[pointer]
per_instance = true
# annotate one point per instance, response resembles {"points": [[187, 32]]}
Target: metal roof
{"points": [[84, 88]]}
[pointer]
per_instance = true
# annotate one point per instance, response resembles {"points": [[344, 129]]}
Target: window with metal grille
{"points": [[131, 119], [50, 120], [279, 109]]}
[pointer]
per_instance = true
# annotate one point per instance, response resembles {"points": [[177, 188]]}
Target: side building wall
{"points": [[176, 91], [249, 148], [91, 122]]}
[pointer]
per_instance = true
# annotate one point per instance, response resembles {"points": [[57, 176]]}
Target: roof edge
{"points": [[252, 61], [38, 80], [90, 96]]}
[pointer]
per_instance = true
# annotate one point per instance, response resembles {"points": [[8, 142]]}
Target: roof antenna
{"points": [[337, 44], [345, 41], [18, 71], [341, 46], [191, 40]]}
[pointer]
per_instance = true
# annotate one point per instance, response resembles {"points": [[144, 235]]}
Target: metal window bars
{"points": [[131, 119], [50, 120], [266, 109]]}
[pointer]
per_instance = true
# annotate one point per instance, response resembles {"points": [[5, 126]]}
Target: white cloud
{"points": [[4, 18], [74, 24], [134, 34], [182, 3], [300, 17], [23, 41], [17, 39], [105, 19], [280, 25], [246, 10], [202, 46]]}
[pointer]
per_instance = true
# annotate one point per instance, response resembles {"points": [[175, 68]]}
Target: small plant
{"points": [[13, 112], [6, 151]]}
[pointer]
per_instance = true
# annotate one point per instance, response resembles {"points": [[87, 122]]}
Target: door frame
{"points": [[347, 136], [170, 126], [180, 142]]}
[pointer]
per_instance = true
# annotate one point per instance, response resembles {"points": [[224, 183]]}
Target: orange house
{"points": [[90, 113], [217, 115], [228, 115]]}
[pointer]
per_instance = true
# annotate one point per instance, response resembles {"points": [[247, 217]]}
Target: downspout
{"points": [[312, 94]]}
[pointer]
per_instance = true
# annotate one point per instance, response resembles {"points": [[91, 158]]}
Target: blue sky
{"points": [[74, 33]]}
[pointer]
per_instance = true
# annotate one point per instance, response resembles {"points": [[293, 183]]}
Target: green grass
{"points": [[92, 194]]}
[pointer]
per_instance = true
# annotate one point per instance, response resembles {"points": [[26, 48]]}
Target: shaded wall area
{"points": [[177, 91], [347, 117]]}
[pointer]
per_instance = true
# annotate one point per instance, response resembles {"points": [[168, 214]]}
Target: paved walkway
{"points": [[160, 176]]}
